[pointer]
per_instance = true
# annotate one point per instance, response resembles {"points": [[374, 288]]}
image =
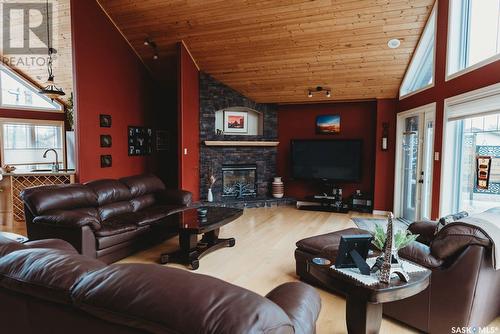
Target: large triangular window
{"points": [[17, 92], [420, 73]]}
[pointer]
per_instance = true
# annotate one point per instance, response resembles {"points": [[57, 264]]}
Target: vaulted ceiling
{"points": [[275, 50]]}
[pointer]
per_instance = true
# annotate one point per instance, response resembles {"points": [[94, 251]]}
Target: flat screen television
{"points": [[333, 160]]}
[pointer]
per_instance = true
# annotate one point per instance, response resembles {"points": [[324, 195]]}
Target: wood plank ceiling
{"points": [[34, 66], [275, 50]]}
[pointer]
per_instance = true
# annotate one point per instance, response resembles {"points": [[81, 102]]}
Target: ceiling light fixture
{"points": [[50, 90], [394, 43], [328, 91], [149, 42]]}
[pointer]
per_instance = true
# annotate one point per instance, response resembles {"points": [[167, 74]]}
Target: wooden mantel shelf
{"points": [[241, 143]]}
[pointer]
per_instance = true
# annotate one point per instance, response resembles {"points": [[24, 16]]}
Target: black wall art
{"points": [[106, 141], [106, 161], [105, 121], [140, 140]]}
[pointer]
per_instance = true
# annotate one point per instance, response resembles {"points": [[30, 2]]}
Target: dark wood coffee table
{"points": [[364, 302], [191, 225]]}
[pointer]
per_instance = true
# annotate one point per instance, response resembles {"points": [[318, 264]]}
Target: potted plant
{"points": [[402, 238]]}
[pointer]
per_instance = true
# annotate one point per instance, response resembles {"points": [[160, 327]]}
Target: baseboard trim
{"points": [[380, 212]]}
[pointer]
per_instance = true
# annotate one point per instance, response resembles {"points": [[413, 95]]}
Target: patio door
{"points": [[414, 156]]}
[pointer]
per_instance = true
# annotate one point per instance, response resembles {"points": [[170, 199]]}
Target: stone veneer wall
{"points": [[215, 96]]}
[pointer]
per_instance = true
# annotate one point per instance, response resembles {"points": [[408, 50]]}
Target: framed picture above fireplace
{"points": [[235, 122]]}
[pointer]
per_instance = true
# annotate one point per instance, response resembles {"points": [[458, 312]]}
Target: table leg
{"points": [[362, 317], [188, 252]]}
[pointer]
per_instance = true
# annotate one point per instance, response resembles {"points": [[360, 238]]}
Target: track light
{"points": [[309, 93], [328, 93], [149, 42], [155, 57], [318, 89]]}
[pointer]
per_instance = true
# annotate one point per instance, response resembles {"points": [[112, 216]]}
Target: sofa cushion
{"points": [[143, 202], [143, 184], [326, 244], [39, 200], [52, 244], [454, 237], [109, 191], [168, 300], [116, 225], [44, 273], [105, 242], [8, 245], [114, 209]]}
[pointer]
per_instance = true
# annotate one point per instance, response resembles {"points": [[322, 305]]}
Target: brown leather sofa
{"points": [[105, 219], [464, 289], [47, 287]]}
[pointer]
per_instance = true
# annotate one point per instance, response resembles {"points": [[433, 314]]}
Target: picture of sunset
{"points": [[236, 122], [328, 124]]}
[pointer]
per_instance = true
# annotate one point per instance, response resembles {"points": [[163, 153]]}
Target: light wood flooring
{"points": [[263, 256]]}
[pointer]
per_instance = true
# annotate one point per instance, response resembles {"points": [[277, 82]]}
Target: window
{"points": [[471, 129], [420, 73], [18, 93], [474, 33], [24, 143]]}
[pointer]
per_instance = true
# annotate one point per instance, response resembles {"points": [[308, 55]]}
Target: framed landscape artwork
{"points": [[328, 124], [235, 122]]}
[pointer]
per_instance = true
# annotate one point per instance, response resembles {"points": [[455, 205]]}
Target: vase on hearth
{"points": [[210, 196], [278, 188]]}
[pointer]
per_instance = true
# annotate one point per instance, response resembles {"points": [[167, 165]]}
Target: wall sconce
{"points": [[328, 91], [385, 137]]}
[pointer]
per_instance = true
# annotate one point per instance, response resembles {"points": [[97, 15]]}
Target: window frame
{"points": [[463, 50], [3, 120], [434, 12], [23, 80]]}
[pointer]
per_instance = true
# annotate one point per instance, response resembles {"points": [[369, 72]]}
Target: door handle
{"points": [[421, 181]]}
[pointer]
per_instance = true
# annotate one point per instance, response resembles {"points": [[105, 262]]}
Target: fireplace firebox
{"points": [[239, 181]]}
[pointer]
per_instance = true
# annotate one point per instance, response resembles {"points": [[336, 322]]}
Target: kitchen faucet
{"points": [[55, 166]]}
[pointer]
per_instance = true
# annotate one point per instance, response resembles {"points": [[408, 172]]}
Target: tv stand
{"points": [[324, 203]]}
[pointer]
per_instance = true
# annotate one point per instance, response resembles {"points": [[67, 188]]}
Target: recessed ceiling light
{"points": [[394, 43]]}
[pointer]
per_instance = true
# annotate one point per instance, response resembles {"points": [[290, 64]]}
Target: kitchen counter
{"points": [[15, 182]]}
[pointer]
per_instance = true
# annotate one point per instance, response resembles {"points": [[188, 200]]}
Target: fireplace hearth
{"points": [[239, 181]]}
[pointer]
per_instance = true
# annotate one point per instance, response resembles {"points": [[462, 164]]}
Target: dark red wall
{"points": [[385, 160], [189, 123], [109, 79], [482, 77], [357, 121]]}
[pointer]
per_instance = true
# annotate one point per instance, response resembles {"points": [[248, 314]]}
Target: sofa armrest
{"points": [[68, 219], [300, 302], [420, 254], [175, 196], [425, 229]]}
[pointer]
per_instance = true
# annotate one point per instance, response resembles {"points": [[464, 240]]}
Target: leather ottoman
{"points": [[324, 245]]}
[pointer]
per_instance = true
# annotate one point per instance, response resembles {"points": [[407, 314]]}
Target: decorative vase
{"points": [[210, 196], [278, 188]]}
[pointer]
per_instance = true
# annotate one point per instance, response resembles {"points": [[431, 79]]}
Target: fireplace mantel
{"points": [[241, 143]]}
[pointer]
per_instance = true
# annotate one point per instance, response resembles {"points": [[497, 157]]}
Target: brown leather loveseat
{"points": [[47, 287], [106, 219], [464, 289]]}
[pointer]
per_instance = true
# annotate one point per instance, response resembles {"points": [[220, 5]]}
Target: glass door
{"points": [[414, 161]]}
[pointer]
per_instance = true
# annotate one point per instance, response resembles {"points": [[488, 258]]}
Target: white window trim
{"points": [[401, 97], [486, 99], [466, 70], [34, 87], [400, 124]]}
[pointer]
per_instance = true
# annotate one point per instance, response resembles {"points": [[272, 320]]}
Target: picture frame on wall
{"points": [[106, 161], [328, 124], [140, 141], [106, 141], [162, 141], [105, 121], [235, 122]]}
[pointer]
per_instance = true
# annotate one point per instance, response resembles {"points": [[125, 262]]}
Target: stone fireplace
{"points": [[239, 181]]}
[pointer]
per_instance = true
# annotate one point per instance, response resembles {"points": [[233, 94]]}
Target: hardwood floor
{"points": [[263, 256]]}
